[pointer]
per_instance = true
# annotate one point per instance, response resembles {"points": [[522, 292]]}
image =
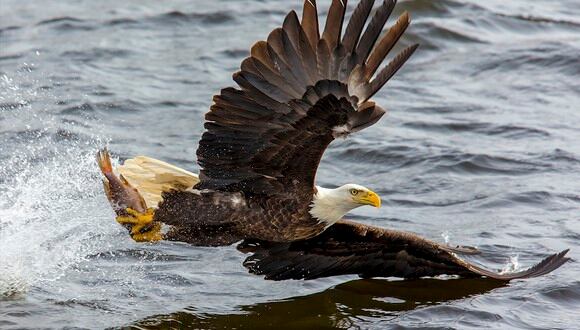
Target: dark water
{"points": [[481, 147]]}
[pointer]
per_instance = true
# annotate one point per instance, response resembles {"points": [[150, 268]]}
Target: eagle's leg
{"points": [[141, 226]]}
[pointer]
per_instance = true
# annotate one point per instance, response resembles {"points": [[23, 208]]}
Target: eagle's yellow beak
{"points": [[369, 198]]}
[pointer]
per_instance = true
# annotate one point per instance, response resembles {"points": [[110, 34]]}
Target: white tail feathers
{"points": [[151, 177]]}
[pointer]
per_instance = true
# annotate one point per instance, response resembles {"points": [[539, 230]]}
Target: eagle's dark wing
{"points": [[298, 91], [351, 248]]}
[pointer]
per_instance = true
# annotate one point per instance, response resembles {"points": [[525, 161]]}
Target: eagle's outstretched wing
{"points": [[352, 248], [298, 91]]}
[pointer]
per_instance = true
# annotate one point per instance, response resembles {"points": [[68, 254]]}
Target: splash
{"points": [[52, 209], [48, 222], [445, 235], [513, 265]]}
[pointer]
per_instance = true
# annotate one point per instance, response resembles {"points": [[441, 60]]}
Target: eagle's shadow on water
{"points": [[343, 306]]}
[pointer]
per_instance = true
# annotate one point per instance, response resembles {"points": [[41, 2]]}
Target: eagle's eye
{"points": [[353, 192]]}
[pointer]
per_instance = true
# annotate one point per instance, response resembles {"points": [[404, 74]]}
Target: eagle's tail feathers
{"points": [[151, 177]]}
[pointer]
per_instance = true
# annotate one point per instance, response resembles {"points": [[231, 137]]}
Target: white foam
{"points": [[512, 266], [445, 235], [52, 209], [48, 222]]}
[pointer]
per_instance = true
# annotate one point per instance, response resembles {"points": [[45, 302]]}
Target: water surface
{"points": [[480, 147]]}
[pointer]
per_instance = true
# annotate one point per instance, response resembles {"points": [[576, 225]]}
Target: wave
{"points": [[549, 55], [403, 155], [211, 18], [68, 24], [66, 19], [489, 129], [97, 54], [9, 28], [538, 19]]}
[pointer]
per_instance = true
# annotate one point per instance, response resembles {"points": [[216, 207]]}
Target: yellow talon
{"points": [[145, 217], [134, 218], [141, 226], [152, 234]]}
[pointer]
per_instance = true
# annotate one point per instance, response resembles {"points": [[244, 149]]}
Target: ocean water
{"points": [[481, 146]]}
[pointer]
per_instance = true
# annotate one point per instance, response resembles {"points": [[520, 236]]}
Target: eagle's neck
{"points": [[329, 206]]}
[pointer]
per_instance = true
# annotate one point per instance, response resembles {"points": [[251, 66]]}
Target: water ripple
{"points": [[212, 18]]}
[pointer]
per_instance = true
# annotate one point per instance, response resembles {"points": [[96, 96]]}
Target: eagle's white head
{"points": [[330, 205]]}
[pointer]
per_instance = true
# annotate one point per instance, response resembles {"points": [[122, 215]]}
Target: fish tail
{"points": [[107, 188], [104, 161]]}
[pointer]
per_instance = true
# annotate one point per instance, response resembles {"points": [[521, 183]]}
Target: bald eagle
{"points": [[297, 92]]}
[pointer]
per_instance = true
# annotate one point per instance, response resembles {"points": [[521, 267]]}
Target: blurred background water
{"points": [[481, 147]]}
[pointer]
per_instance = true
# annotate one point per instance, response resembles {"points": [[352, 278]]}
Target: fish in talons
{"points": [[130, 207]]}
